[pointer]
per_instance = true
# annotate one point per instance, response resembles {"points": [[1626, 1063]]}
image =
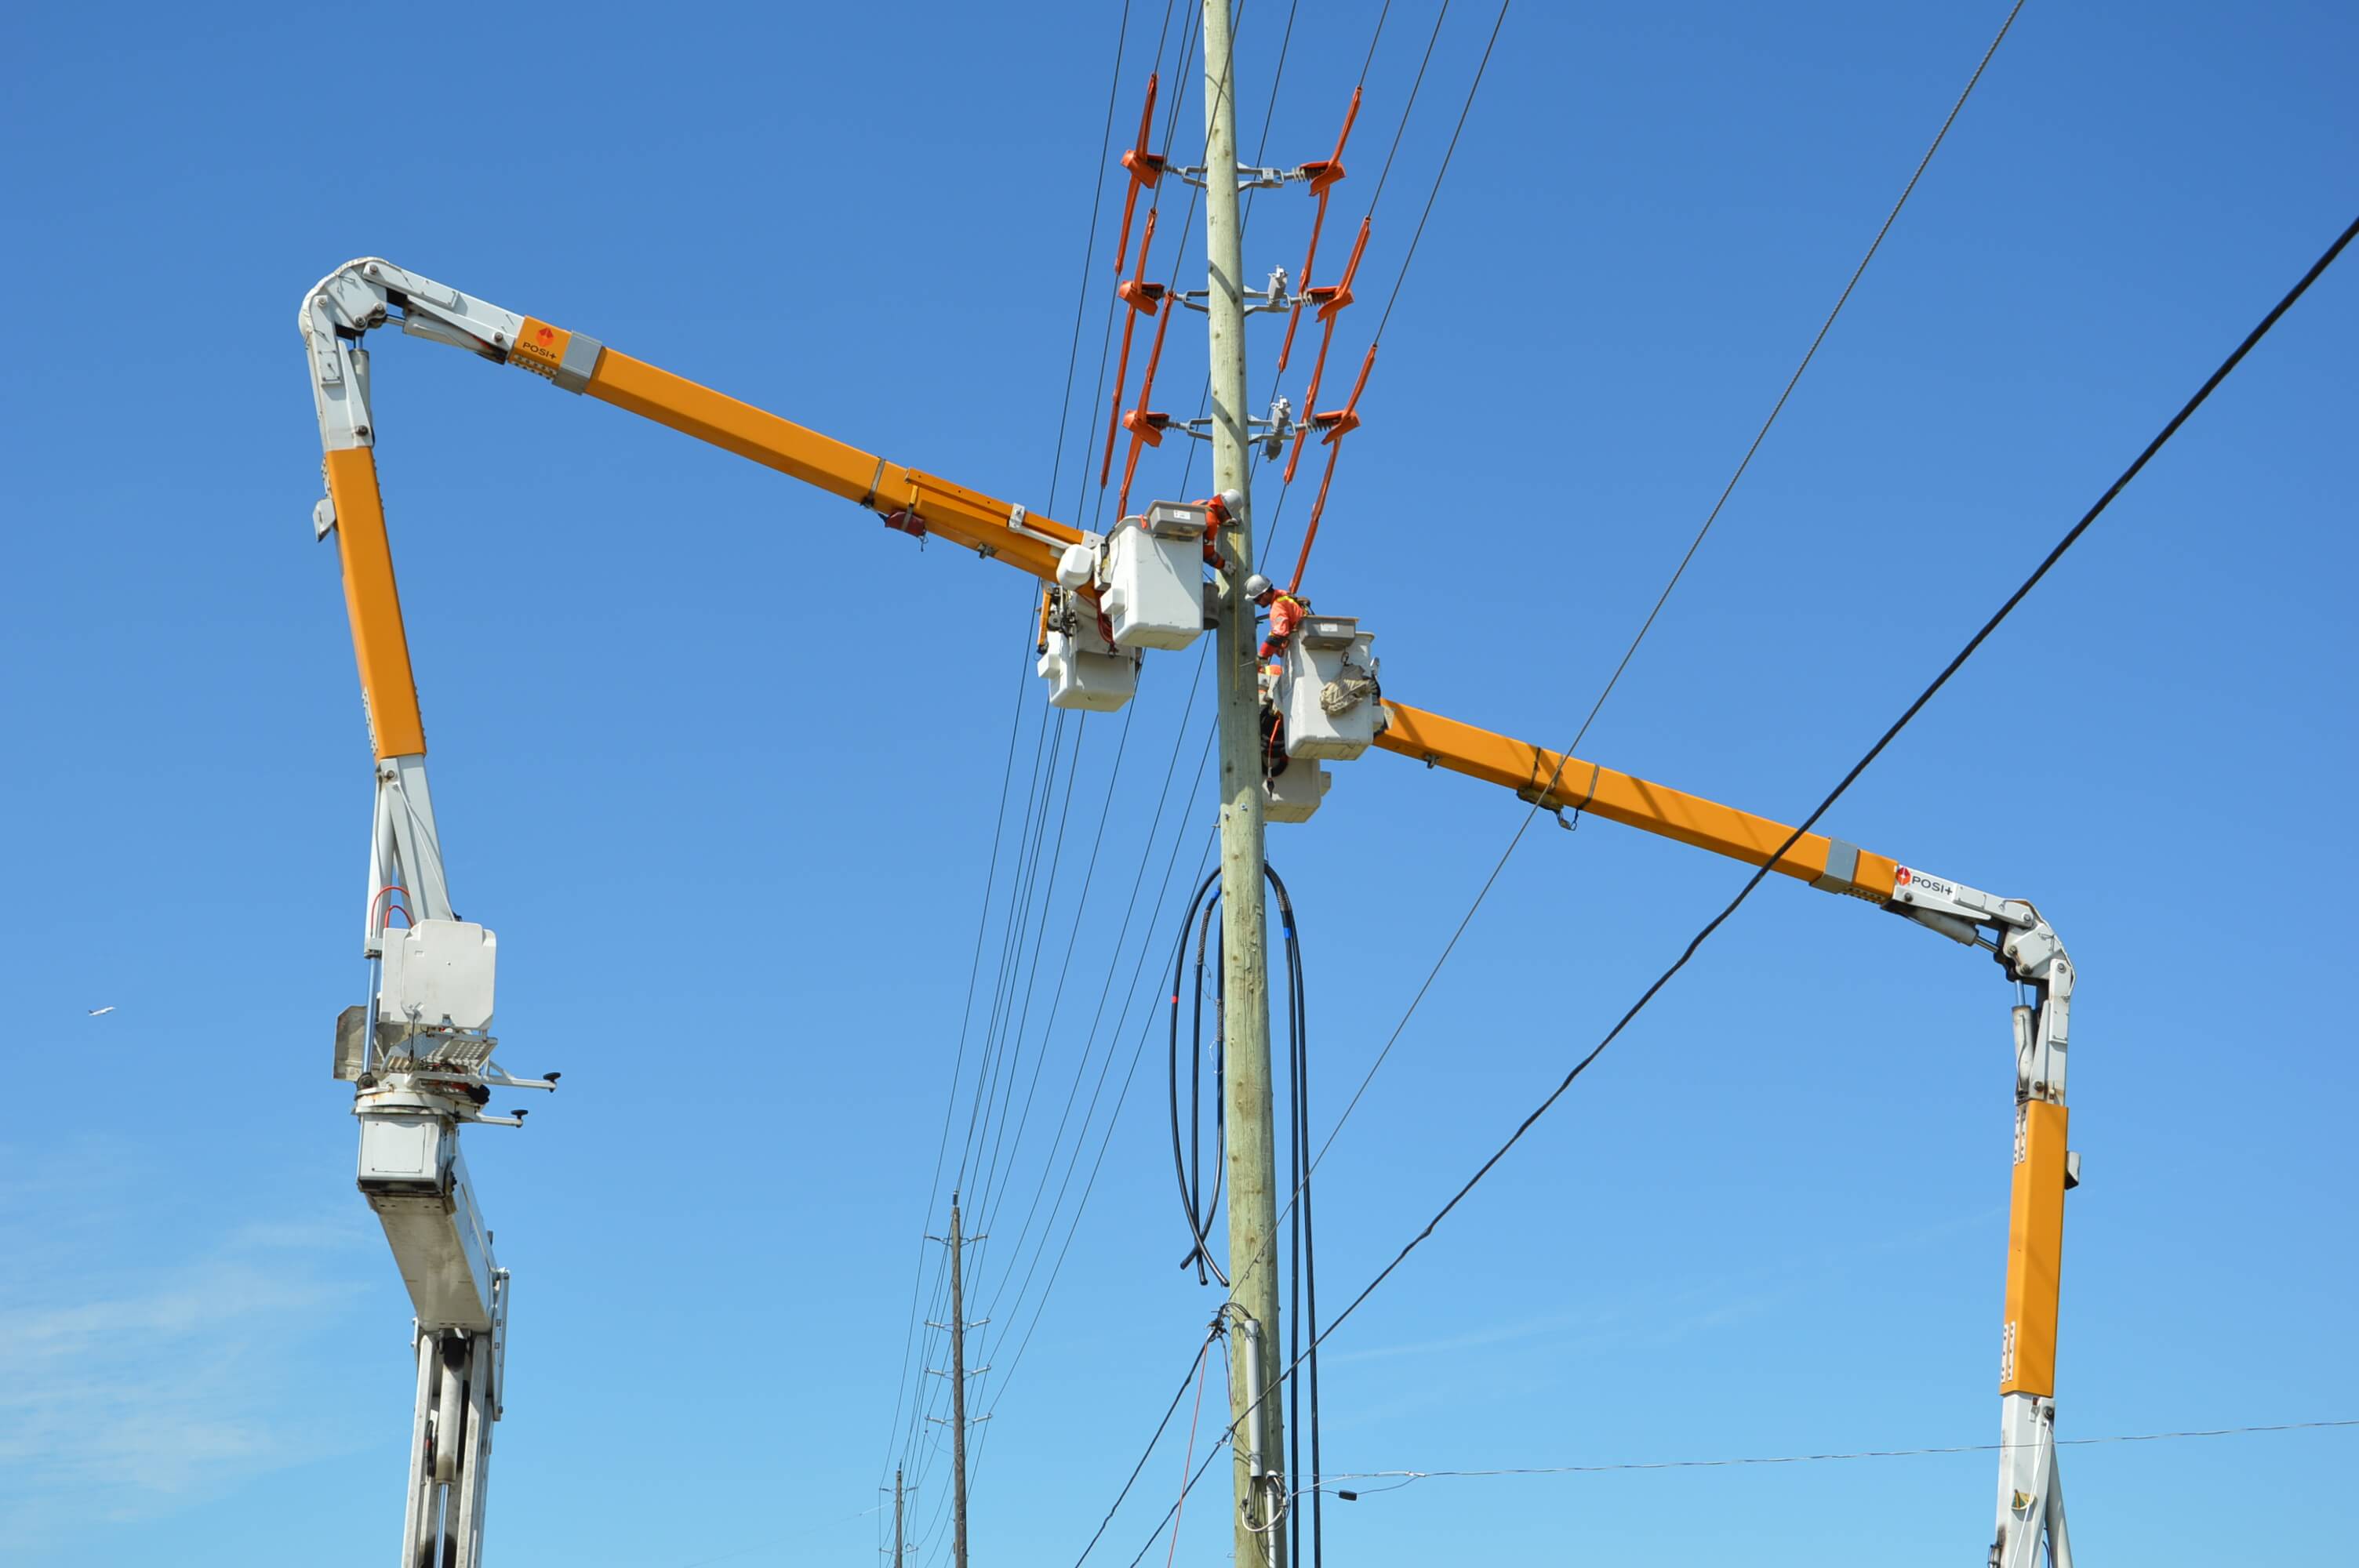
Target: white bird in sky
{"points": [[95, 1011]]}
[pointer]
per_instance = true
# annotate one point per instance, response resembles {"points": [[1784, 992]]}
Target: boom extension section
{"points": [[420, 1051], [2030, 1497]]}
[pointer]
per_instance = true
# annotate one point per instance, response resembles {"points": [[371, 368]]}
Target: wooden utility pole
{"points": [[958, 1326], [1257, 1424], [897, 1516]]}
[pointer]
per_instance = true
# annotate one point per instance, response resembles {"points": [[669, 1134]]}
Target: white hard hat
{"points": [[1257, 585]]}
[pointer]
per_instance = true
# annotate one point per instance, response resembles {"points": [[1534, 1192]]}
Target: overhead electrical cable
{"points": [[1113, 82], [1407, 1476], [1449, 946], [1791, 382], [1448, 153], [1286, 488], [986, 1206], [1106, 992], [1105, 1141], [1957, 662], [1169, 1410]]}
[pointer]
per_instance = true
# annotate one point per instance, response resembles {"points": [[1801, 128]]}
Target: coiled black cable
{"points": [[1186, 1158], [1302, 1315]]}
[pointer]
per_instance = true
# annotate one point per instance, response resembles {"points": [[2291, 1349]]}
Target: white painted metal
{"points": [[475, 1453], [438, 972], [1294, 794], [1250, 1432], [404, 817], [2028, 948], [429, 1216], [363, 294], [1083, 670], [450, 1403], [418, 1519], [2030, 1490], [1328, 690], [1154, 578], [400, 1153]]}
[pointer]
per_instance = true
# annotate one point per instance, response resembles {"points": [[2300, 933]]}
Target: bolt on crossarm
{"points": [[2030, 1497]]}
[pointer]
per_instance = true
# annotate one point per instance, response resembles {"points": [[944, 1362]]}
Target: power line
{"points": [[1484, 892], [1386, 172], [1014, 728], [1148, 1453], [1373, 38], [1447, 155], [1975, 643], [1106, 992], [986, 1206], [1269, 549], [1113, 1117], [1794, 380], [1407, 1476], [1015, 724]]}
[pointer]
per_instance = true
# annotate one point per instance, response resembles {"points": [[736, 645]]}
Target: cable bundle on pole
{"points": [[1200, 1207]]}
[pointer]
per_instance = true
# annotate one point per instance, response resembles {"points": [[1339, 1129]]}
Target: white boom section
{"points": [[419, 1052], [420, 1056], [2030, 1492]]}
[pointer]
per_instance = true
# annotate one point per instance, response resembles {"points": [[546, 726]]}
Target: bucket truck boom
{"points": [[2030, 1497], [419, 1052]]}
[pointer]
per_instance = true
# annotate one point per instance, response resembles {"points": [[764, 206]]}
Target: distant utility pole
{"points": [[958, 1325], [1256, 1422], [897, 1516]]}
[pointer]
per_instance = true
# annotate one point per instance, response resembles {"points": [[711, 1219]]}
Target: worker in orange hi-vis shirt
{"points": [[1285, 613]]}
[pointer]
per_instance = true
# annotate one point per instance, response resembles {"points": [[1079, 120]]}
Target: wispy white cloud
{"points": [[135, 1376]]}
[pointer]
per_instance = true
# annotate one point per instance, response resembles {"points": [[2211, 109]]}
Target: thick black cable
{"points": [[1149, 1452], [1184, 1150], [1156, 1533], [1975, 643]]}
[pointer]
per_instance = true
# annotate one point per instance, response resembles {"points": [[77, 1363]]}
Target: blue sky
{"points": [[719, 759]]}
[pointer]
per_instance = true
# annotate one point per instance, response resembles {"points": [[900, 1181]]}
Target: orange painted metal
{"points": [[1557, 783], [964, 516], [1335, 428], [373, 602], [2035, 1251], [1330, 300], [1323, 175], [1146, 169], [1143, 297]]}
